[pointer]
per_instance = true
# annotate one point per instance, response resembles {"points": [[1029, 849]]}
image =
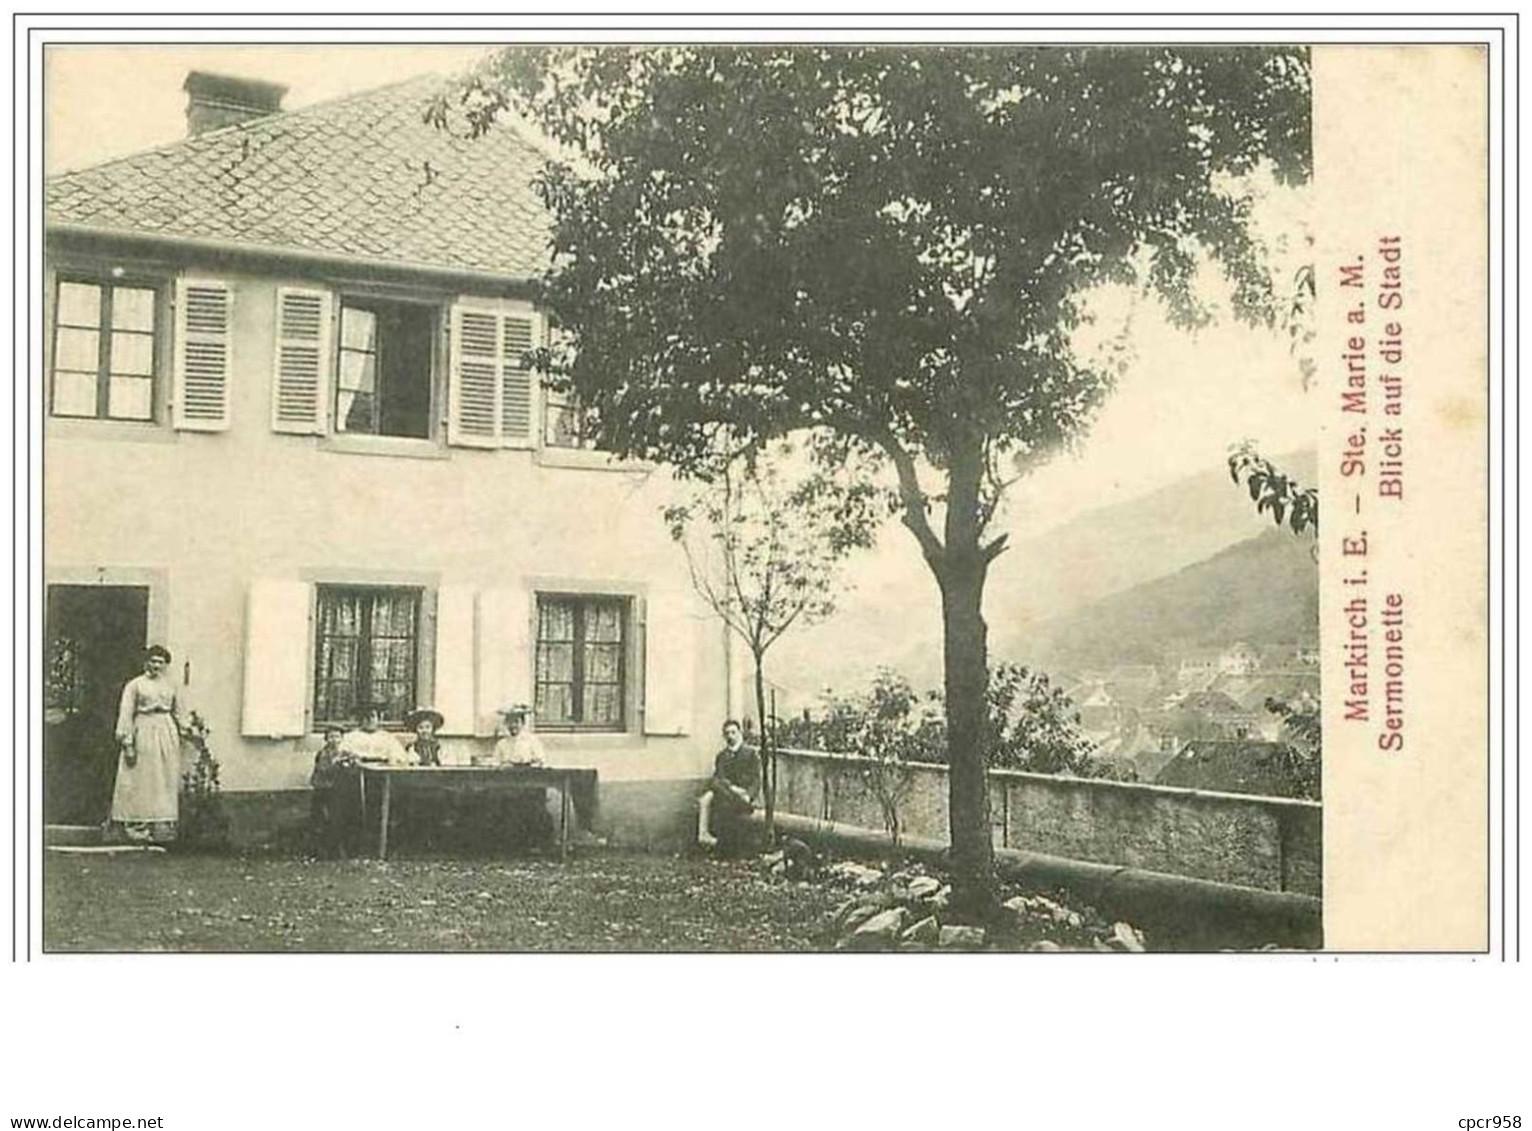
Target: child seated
{"points": [[327, 823]]}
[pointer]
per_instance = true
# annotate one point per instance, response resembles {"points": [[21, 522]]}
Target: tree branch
{"points": [[989, 553], [910, 493]]}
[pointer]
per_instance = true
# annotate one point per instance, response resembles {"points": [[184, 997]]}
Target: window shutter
{"points": [[455, 658], [505, 653], [517, 410], [303, 358], [276, 659], [670, 657], [202, 355], [473, 399]]}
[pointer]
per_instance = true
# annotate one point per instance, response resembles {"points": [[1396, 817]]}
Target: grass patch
{"points": [[597, 901]]}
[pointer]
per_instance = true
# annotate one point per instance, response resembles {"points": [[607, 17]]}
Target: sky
{"points": [[1185, 399]]}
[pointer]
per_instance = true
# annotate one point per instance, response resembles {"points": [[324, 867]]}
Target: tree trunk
{"points": [[767, 752], [966, 668]]}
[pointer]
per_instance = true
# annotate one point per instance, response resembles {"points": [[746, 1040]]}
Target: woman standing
{"points": [[146, 798]]}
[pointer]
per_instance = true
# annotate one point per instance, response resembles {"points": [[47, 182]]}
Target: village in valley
{"points": [[1199, 721]]}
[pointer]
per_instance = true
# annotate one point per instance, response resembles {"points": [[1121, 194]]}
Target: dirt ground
{"points": [[597, 901]]}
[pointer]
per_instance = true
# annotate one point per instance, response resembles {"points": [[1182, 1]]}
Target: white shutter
{"points": [[455, 693], [276, 659], [670, 660], [202, 355], [517, 404], [505, 653], [473, 399], [302, 360]]}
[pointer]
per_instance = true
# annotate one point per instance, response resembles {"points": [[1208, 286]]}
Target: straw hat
{"points": [[413, 718]]}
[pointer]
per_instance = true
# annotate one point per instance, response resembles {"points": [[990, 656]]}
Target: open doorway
{"points": [[94, 639]]}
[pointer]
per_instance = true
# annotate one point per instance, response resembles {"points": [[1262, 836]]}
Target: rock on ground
{"points": [[1126, 936], [960, 938], [922, 887], [926, 932], [880, 932]]}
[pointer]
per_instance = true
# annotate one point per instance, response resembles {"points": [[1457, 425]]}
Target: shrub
{"points": [[204, 824], [1033, 725]]}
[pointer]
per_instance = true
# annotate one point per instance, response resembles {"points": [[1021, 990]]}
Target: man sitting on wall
{"points": [[724, 809]]}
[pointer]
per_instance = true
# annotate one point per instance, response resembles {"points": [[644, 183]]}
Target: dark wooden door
{"points": [[94, 639]]}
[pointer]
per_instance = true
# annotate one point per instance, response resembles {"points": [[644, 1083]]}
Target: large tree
{"points": [[893, 243]]}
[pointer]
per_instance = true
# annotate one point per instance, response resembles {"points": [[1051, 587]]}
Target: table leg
{"points": [[388, 790], [564, 819]]}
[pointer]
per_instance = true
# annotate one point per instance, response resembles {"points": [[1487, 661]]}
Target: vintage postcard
{"points": [[828, 496]]}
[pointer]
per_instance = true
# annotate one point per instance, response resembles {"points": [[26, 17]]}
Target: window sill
{"points": [[590, 460], [563, 740], [133, 431], [407, 447]]}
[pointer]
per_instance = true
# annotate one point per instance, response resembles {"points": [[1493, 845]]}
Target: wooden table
{"points": [[472, 779]]}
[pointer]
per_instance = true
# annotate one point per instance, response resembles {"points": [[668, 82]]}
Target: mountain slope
{"points": [[892, 616], [1263, 591]]}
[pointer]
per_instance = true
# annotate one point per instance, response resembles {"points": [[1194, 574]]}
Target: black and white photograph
{"points": [[793, 496], [670, 498], [678, 558]]}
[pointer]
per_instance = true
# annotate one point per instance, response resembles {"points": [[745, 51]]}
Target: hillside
{"points": [[892, 616], [1264, 590], [1113, 548]]}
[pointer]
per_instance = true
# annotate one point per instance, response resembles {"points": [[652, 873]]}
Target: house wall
{"points": [[203, 515], [1260, 842]]}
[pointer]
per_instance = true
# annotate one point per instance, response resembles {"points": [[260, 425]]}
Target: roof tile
{"points": [[349, 177]]}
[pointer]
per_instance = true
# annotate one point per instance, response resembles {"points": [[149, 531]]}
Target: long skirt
{"points": [[147, 797]]}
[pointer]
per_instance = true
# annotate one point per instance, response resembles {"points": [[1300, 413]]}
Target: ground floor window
{"points": [[581, 661], [366, 646]]}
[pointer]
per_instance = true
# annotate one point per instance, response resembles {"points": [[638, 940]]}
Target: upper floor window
{"points": [[105, 350], [566, 423], [581, 679], [384, 365]]}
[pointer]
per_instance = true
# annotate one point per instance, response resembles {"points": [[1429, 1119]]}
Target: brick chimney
{"points": [[214, 101]]}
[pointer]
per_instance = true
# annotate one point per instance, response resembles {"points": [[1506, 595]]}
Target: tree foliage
{"points": [[1273, 490], [1304, 742], [891, 241], [894, 244], [1035, 726], [1031, 724]]}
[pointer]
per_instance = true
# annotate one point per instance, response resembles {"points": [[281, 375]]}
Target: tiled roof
{"points": [[362, 176], [1232, 767]]}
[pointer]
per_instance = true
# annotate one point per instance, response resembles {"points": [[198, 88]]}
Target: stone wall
{"points": [[1261, 842]]}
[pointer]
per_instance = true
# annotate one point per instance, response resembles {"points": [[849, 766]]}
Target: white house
{"points": [[291, 435]]}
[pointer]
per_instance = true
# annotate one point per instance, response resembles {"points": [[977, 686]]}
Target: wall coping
{"points": [[1296, 804]]}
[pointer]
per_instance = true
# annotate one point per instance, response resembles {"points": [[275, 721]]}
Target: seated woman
{"points": [[424, 745], [537, 819], [723, 810], [367, 743]]}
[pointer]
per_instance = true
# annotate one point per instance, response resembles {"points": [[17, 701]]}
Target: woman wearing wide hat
{"points": [[427, 723]]}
